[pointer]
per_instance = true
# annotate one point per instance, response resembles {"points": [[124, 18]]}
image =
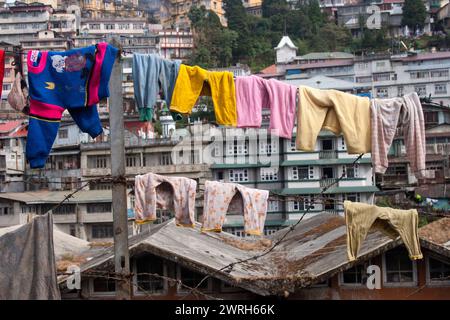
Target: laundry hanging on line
{"points": [[254, 94], [362, 217], [218, 198], [387, 116], [193, 82], [75, 80], [237, 102], [2, 69], [153, 191], [151, 74]]}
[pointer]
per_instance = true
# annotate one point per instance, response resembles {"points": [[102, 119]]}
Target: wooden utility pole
{"points": [[119, 187]]}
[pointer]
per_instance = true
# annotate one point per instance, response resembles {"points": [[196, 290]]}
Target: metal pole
{"points": [[119, 192]]}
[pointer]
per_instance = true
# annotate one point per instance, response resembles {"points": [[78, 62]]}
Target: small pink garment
{"points": [[153, 191], [220, 197], [254, 93]]}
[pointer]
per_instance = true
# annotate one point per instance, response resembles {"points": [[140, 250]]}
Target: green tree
{"points": [[271, 8], [213, 43], [414, 14]]}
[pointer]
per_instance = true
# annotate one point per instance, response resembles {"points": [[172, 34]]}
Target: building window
{"points": [[103, 285], [63, 209], [268, 148], [238, 175], [439, 73], [355, 276], [109, 26], [269, 174], [420, 90], [94, 26], [420, 74], [302, 173], [398, 268], [431, 117], [400, 91], [98, 207], [133, 160], [192, 279], [292, 146], [124, 26], [165, 159], [4, 211], [438, 271], [237, 147], [382, 92], [302, 205], [63, 134], [273, 206], [351, 171], [353, 197], [101, 231], [440, 88], [381, 77], [148, 270]]}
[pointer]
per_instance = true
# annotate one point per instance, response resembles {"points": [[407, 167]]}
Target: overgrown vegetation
{"points": [[251, 40]]}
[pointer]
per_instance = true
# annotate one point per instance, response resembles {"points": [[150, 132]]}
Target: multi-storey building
{"points": [[175, 43], [88, 215], [123, 26], [8, 79], [12, 155], [174, 13]]}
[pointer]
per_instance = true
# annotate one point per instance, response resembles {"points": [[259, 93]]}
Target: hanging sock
{"points": [[75, 80]]}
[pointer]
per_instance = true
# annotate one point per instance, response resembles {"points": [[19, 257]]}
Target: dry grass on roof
{"points": [[68, 260], [437, 232], [248, 245]]}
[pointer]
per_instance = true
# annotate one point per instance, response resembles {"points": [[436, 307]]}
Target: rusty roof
{"points": [[436, 236], [313, 252]]}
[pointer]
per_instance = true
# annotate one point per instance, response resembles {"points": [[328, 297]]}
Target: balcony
{"points": [[65, 218], [328, 154], [438, 148], [325, 183]]}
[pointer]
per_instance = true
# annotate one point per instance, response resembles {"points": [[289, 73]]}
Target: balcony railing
{"points": [[438, 148], [328, 182], [328, 154]]}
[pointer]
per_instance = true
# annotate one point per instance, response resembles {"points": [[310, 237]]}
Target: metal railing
{"points": [[327, 182], [328, 154]]}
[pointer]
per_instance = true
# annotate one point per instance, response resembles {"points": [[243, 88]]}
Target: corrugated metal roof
{"points": [[314, 251], [38, 197], [326, 55]]}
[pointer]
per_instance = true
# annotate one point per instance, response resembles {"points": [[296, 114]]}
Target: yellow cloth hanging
{"points": [[191, 83]]}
